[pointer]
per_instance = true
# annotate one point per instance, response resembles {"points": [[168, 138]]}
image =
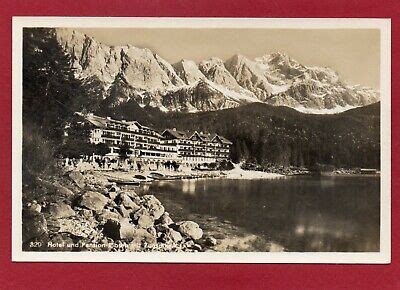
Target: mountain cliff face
{"points": [[128, 72]]}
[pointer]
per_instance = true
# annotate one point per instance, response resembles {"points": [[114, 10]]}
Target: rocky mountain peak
{"points": [[279, 56], [212, 84], [210, 63], [188, 71]]}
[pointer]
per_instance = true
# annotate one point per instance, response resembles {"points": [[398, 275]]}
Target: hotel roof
{"points": [[101, 122], [211, 137], [96, 121], [176, 134], [223, 139]]}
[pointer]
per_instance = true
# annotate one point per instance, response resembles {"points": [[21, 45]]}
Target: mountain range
{"points": [[186, 86]]}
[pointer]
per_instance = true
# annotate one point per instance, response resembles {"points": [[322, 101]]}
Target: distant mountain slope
{"points": [[213, 84], [279, 135]]}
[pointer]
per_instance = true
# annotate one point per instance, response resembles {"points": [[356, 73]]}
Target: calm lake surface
{"points": [[305, 213]]}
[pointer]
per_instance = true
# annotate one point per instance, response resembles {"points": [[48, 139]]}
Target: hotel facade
{"points": [[149, 147]]}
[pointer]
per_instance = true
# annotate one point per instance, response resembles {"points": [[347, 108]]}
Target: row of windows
{"points": [[180, 142], [189, 150]]}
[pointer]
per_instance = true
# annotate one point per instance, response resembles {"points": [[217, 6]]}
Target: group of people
{"points": [[95, 162]]}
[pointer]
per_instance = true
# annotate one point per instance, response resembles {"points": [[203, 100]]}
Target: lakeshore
{"points": [[98, 210], [87, 212], [128, 176]]}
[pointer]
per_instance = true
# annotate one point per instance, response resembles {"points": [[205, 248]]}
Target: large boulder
{"points": [[132, 194], [106, 215], [145, 221], [112, 194], [59, 210], [55, 189], [93, 200], [34, 225], [127, 230], [77, 226], [78, 178], [123, 211], [119, 230], [127, 202], [141, 239], [172, 236], [143, 217], [64, 191], [96, 179], [190, 229], [153, 205], [165, 219], [152, 231]]}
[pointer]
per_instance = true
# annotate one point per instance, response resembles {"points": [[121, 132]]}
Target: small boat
{"points": [[172, 177], [124, 181], [163, 178], [142, 178], [158, 176], [155, 174]]}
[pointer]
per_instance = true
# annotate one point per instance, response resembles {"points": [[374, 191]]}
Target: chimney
{"points": [[108, 118]]}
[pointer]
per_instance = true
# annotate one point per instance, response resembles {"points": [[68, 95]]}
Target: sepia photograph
{"points": [[201, 140]]}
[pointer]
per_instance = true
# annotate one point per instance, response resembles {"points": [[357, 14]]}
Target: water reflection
{"points": [[189, 186], [302, 213]]}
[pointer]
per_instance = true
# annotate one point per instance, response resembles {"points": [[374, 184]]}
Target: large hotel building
{"points": [[150, 147]]}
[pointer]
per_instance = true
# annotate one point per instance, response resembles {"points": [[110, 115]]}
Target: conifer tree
{"points": [[51, 95]]}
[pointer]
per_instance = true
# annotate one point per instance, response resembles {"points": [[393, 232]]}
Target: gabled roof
{"points": [[96, 121], [175, 134], [222, 139], [201, 136], [136, 123], [101, 122], [212, 136], [204, 137]]}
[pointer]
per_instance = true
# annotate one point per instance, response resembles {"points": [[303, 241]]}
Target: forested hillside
{"points": [[278, 135]]}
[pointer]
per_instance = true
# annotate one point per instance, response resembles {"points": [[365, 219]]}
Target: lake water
{"points": [[304, 213]]}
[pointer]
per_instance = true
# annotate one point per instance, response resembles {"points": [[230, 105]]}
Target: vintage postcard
{"points": [[201, 140]]}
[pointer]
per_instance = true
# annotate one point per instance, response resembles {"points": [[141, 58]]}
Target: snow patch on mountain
{"points": [[234, 96], [335, 110], [212, 84]]}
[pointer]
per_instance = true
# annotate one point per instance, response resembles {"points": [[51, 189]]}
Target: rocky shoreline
{"points": [[85, 212]]}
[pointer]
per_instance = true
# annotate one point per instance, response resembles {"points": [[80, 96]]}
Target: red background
{"points": [[199, 276]]}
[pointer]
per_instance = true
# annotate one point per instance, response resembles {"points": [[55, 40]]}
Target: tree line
{"points": [[51, 95]]}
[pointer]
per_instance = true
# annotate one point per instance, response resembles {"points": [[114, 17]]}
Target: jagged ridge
{"points": [[213, 84]]}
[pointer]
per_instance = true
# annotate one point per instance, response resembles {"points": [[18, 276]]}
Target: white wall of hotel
{"points": [[155, 157], [152, 158], [150, 149]]}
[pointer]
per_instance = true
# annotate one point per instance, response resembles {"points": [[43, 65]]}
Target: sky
{"points": [[353, 53]]}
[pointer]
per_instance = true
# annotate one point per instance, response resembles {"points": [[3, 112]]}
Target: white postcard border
{"points": [[382, 257]]}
